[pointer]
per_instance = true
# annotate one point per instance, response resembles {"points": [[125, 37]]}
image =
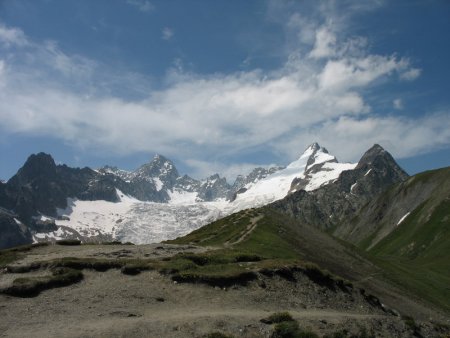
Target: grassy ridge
{"points": [[273, 236], [270, 246]]}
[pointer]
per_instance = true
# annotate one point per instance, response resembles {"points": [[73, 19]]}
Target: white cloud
{"points": [[398, 104], [167, 33], [197, 116], [347, 73], [142, 5], [325, 44], [349, 137], [12, 36], [411, 74]]}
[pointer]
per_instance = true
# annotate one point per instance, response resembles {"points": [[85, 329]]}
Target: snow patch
{"points": [[42, 218], [178, 197], [367, 173], [403, 218], [158, 183], [330, 171], [56, 235]]}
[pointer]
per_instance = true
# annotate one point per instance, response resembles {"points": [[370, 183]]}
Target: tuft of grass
{"points": [[32, 286]]}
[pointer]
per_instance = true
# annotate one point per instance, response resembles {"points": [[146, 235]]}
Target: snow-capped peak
{"points": [[313, 154], [314, 168]]}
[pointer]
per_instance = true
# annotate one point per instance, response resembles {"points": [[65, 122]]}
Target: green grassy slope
{"points": [[273, 236], [279, 241], [416, 252]]}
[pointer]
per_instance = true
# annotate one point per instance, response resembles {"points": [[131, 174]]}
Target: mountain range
{"points": [[48, 201]]}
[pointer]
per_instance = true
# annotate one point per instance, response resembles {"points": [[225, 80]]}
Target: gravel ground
{"points": [[111, 304]]}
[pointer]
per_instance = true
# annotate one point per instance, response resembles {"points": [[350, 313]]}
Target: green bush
{"points": [[278, 317]]}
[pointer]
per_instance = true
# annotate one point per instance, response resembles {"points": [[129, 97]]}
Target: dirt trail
{"points": [[250, 227]]}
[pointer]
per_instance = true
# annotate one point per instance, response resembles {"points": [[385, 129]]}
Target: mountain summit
{"points": [[314, 168]]}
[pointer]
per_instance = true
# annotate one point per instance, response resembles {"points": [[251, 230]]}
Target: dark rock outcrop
{"points": [[213, 188], [12, 231]]}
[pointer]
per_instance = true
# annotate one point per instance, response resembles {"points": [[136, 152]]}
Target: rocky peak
{"points": [[160, 166], [37, 166], [370, 155], [379, 159], [313, 146]]}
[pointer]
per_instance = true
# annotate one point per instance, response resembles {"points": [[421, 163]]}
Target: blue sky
{"points": [[223, 86]]}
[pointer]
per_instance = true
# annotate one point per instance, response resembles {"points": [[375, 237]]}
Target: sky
{"points": [[223, 86]]}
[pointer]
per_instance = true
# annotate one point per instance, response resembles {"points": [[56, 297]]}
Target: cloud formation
{"points": [[318, 94], [167, 33]]}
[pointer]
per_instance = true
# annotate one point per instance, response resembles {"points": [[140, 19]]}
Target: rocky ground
{"points": [[150, 304]]}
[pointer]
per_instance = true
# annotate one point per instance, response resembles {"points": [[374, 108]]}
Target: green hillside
{"points": [[415, 252]]}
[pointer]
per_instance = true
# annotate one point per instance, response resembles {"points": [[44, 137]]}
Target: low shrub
{"points": [[69, 242], [289, 329], [278, 317], [216, 278], [32, 286], [112, 243], [134, 268], [337, 334], [247, 258]]}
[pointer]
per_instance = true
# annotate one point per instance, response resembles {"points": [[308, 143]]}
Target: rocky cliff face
{"points": [[329, 205], [12, 231], [40, 187]]}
